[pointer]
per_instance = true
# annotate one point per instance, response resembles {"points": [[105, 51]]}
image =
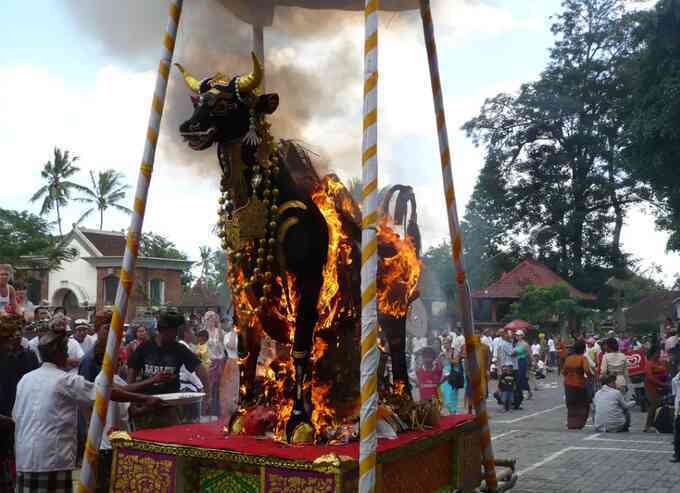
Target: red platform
{"points": [[200, 457]]}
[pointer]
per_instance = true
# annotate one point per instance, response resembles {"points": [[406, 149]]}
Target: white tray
{"points": [[181, 398]]}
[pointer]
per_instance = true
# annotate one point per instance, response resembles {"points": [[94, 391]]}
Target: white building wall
{"points": [[78, 275]]}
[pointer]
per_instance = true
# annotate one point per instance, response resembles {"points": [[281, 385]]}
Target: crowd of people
{"points": [[47, 384], [597, 379]]}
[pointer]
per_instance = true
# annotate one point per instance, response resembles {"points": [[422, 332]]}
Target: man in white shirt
{"points": [[81, 327], [45, 417], [552, 353], [675, 385], [612, 412]]}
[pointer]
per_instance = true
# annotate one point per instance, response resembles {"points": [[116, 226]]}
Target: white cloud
{"points": [[105, 126]]}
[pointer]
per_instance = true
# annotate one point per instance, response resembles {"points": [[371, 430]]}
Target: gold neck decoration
{"points": [[248, 233]]}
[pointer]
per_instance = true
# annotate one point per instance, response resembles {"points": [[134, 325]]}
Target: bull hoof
{"points": [[299, 429]]}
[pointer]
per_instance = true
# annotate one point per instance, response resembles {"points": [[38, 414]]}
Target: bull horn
{"points": [[193, 84], [248, 83]]}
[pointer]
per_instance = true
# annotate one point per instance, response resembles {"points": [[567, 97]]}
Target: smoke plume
{"points": [[211, 39]]}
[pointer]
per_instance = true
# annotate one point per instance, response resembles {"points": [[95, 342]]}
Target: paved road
{"points": [[552, 459]]}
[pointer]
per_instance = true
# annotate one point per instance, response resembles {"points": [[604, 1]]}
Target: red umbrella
{"points": [[516, 325]]}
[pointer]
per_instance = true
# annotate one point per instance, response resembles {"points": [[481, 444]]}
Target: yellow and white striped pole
{"points": [[105, 378], [474, 371], [369, 259]]}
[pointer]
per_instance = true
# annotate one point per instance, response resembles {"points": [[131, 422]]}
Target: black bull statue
{"points": [[271, 228]]}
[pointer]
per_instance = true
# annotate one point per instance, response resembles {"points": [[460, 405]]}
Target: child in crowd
{"points": [[202, 348], [507, 387], [430, 375], [539, 366]]}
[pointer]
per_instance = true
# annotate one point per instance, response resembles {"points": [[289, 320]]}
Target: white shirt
{"points": [[189, 381], [45, 417], [486, 340], [505, 357], [610, 409], [551, 345], [675, 385], [88, 343], [535, 349], [459, 343], [117, 418], [494, 346], [231, 344]]}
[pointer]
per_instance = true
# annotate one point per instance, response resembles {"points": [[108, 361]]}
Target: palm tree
{"points": [[206, 261], [107, 192], [56, 193]]}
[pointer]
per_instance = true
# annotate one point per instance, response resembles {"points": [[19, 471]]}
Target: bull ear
{"points": [[267, 103]]}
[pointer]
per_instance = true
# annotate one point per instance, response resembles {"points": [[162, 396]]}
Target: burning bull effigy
{"points": [[292, 240]]}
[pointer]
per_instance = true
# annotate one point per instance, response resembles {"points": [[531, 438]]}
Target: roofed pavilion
{"points": [[500, 294]]}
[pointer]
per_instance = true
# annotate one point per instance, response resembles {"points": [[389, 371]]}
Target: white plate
{"points": [[181, 398]]}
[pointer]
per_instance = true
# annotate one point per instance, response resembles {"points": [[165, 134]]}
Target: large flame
{"points": [[398, 274]]}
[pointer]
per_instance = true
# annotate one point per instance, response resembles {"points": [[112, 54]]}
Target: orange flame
{"points": [[399, 274]]}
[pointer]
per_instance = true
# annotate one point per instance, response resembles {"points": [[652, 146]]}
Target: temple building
{"points": [[89, 280], [492, 304]]}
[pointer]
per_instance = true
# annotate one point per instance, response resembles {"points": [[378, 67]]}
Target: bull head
{"points": [[224, 110]]}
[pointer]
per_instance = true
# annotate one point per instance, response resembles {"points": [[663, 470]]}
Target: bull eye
{"points": [[222, 107]]}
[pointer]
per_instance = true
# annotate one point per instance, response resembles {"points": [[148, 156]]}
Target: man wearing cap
{"points": [[163, 354], [45, 417], [80, 334], [15, 362]]}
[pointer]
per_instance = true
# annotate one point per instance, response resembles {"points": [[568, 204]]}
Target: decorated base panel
{"points": [[200, 458]]}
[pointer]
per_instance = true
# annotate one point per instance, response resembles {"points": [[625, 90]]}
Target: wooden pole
{"points": [[105, 378], [369, 259], [472, 343]]}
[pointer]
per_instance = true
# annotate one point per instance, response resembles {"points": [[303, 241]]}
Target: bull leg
{"points": [[250, 340], [305, 242], [395, 331], [302, 345]]}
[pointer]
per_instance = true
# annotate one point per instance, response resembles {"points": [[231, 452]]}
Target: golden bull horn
{"points": [[193, 84], [248, 83]]}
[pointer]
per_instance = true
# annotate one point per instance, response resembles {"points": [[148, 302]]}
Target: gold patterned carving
{"points": [[278, 483], [143, 474]]}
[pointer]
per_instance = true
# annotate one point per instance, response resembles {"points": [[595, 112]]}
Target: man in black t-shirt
{"points": [[163, 354]]}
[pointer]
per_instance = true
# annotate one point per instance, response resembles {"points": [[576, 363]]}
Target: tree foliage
{"points": [[543, 305], [24, 235], [107, 192], [652, 111], [555, 178], [56, 192]]}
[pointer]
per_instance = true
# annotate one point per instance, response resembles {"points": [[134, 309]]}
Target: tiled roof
{"points": [[655, 307], [109, 243], [528, 273]]}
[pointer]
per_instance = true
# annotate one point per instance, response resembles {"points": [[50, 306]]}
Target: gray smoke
{"points": [[211, 39]]}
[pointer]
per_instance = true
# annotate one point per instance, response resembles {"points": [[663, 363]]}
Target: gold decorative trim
{"points": [[291, 204]]}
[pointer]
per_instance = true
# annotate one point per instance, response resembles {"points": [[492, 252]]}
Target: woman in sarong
{"points": [[211, 323], [576, 372]]}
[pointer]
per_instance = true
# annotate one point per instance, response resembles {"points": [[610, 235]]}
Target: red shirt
{"points": [[428, 380], [655, 377]]}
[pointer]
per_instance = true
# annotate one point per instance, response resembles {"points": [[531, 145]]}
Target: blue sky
{"points": [[75, 90]]}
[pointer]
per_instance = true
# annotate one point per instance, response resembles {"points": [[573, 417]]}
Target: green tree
{"points": [[206, 262], [546, 305], [157, 246], [107, 192], [216, 280], [25, 235], [56, 192], [555, 149], [651, 110]]}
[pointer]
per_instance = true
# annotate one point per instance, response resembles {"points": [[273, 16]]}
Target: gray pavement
{"points": [[552, 459]]}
